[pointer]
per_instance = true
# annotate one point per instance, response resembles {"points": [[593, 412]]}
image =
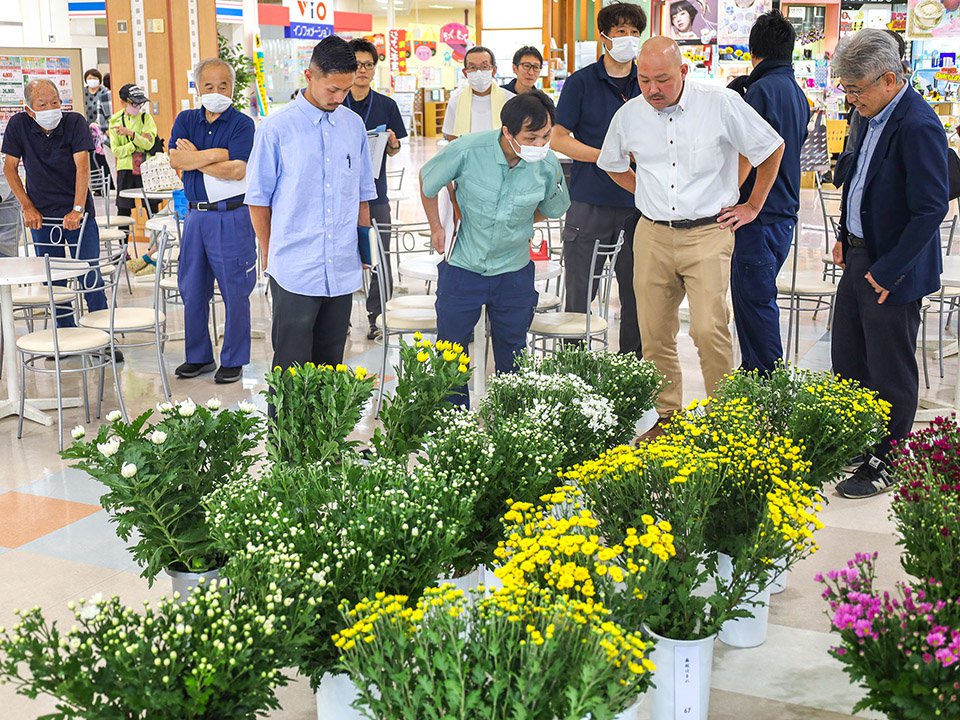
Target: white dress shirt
{"points": [[687, 156]]}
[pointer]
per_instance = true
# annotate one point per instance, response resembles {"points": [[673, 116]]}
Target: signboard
{"points": [[736, 17], [932, 19], [19, 66], [307, 31], [309, 19]]}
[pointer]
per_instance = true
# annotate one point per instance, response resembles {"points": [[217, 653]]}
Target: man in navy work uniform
{"points": [[211, 146], [600, 208], [893, 203], [54, 147], [761, 247], [377, 111]]}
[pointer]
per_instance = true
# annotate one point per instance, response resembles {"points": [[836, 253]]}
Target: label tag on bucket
{"points": [[686, 683]]}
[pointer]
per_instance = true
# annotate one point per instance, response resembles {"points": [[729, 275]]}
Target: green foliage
{"points": [[316, 409], [157, 475], [243, 67]]}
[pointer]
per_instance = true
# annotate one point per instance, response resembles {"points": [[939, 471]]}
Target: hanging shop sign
{"points": [[457, 37], [309, 20], [948, 75], [933, 19]]}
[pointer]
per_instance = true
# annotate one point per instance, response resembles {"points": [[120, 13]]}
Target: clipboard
{"points": [[378, 149]]}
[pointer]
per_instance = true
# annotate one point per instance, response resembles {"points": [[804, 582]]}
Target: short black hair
{"points": [[683, 5], [93, 72], [621, 13], [333, 55], [533, 109], [524, 51], [901, 43], [362, 45], [772, 37], [479, 49], [106, 81]]}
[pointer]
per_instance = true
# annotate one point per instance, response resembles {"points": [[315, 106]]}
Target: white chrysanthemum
{"points": [[114, 415], [128, 470], [78, 432], [158, 437], [213, 404], [187, 408]]}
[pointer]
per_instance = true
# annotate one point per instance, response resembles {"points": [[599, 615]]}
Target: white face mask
{"points": [[215, 103], [531, 153], [625, 48], [93, 83], [480, 80], [48, 119]]}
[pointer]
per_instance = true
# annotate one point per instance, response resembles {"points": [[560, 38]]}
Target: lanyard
{"points": [[369, 105]]}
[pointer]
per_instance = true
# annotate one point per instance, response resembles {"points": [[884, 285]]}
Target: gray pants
{"points": [[9, 226], [586, 223]]}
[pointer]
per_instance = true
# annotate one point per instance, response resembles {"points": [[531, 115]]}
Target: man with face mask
{"points": [[310, 184], [599, 208], [477, 106], [211, 145], [54, 148], [506, 180]]}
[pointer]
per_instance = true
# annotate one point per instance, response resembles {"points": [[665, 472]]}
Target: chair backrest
{"points": [[380, 258], [56, 242], [103, 275], [100, 183], [829, 209], [397, 176], [167, 241], [551, 231], [603, 264], [950, 228]]}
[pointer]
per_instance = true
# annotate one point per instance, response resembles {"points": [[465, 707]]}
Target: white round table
{"points": [[138, 194], [20, 271], [159, 223]]}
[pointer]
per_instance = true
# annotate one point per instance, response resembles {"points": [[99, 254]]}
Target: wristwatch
{"points": [[78, 208]]}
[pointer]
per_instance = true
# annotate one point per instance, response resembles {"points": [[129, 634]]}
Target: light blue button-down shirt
{"points": [[312, 169], [858, 183]]}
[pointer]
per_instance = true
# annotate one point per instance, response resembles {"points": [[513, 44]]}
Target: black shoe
{"points": [[191, 370], [117, 356], [226, 375], [871, 478], [854, 464], [374, 332]]}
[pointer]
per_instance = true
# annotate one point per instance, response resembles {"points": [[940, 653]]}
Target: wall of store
{"points": [[29, 23]]}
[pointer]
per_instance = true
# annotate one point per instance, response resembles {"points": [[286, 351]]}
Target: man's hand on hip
{"points": [[881, 291], [734, 218]]}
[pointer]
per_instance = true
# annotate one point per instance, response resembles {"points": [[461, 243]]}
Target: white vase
{"points": [[334, 697], [473, 579], [632, 712], [184, 582], [780, 574], [745, 632], [682, 679]]}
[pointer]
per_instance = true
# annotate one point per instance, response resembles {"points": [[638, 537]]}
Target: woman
{"points": [[682, 15], [133, 132], [99, 107]]}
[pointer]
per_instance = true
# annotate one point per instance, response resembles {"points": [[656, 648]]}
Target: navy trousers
{"points": [[510, 299], [758, 255], [53, 241], [217, 245]]}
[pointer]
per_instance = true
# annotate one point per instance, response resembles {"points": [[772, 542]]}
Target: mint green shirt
{"points": [[497, 202]]}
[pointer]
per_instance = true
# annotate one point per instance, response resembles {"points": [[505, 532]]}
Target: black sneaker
{"points": [[117, 356], [227, 375], [374, 332], [191, 370], [854, 464], [871, 478]]}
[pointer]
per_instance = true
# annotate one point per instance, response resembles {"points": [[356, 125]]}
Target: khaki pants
{"points": [[668, 264]]}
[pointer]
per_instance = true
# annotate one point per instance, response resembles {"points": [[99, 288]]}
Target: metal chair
{"points": [[100, 182], [585, 327], [944, 302], [549, 231]]}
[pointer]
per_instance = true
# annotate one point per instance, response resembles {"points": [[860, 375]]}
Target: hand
{"points": [[838, 254], [71, 220], [736, 217], [392, 142], [184, 144], [882, 292], [32, 218], [438, 238], [125, 131]]}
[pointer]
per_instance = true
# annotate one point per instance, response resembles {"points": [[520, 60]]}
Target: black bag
{"points": [[157, 147], [953, 174], [813, 154]]}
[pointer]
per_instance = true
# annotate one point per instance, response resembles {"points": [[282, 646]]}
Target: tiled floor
{"points": [[56, 544]]}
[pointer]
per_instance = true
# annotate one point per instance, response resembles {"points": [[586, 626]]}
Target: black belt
{"points": [[686, 224], [221, 206], [854, 241]]}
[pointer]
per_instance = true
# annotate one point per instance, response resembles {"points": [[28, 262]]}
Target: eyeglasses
{"points": [[530, 67], [857, 92], [366, 65]]}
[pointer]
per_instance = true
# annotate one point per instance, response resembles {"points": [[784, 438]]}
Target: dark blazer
{"points": [[904, 201]]}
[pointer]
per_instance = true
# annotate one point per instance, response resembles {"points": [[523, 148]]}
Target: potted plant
{"points": [[903, 649], [157, 474], [522, 651], [209, 658], [316, 408]]}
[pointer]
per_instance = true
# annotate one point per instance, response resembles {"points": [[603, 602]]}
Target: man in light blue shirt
{"points": [[310, 181]]}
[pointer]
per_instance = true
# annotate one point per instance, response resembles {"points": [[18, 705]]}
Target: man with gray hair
{"points": [[889, 239], [211, 146]]}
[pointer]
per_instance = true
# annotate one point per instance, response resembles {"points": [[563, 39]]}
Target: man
{"points": [[600, 209], [378, 112], [477, 106], [527, 64], [211, 146], [889, 243], [506, 180], [686, 138], [762, 247], [309, 187], [54, 147]]}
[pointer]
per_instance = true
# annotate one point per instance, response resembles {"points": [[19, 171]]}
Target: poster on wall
{"points": [[429, 54], [736, 17], [933, 19], [691, 22], [16, 71]]}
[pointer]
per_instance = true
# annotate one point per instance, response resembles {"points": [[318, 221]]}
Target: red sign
{"points": [[457, 36]]}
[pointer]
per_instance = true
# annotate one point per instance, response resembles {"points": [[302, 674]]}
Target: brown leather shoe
{"points": [[655, 431]]}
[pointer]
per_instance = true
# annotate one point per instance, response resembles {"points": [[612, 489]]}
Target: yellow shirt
{"points": [[124, 146]]}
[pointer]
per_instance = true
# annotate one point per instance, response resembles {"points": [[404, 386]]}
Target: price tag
{"points": [[686, 682]]}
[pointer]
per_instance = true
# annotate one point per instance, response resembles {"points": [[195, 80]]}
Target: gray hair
{"points": [[33, 85], [867, 54], [210, 62]]}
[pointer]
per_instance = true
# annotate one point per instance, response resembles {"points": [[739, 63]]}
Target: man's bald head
{"points": [[661, 72], [41, 95]]}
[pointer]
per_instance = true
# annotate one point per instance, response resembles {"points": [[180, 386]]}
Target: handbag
{"points": [[158, 176], [814, 155]]}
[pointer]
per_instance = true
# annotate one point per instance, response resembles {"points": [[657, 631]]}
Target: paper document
{"points": [[445, 206], [378, 148], [218, 189]]}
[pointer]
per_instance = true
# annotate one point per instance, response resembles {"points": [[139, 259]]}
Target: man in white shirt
{"points": [[686, 139], [477, 106]]}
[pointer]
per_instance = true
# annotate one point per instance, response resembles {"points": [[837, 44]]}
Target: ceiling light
{"points": [[442, 7]]}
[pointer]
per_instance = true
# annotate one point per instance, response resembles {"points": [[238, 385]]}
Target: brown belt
{"points": [[686, 224]]}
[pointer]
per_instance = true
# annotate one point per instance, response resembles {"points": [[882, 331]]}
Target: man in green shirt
{"points": [[505, 181]]}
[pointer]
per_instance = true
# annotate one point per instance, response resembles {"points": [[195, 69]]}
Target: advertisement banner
{"points": [[690, 22], [932, 19], [736, 17], [259, 69]]}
